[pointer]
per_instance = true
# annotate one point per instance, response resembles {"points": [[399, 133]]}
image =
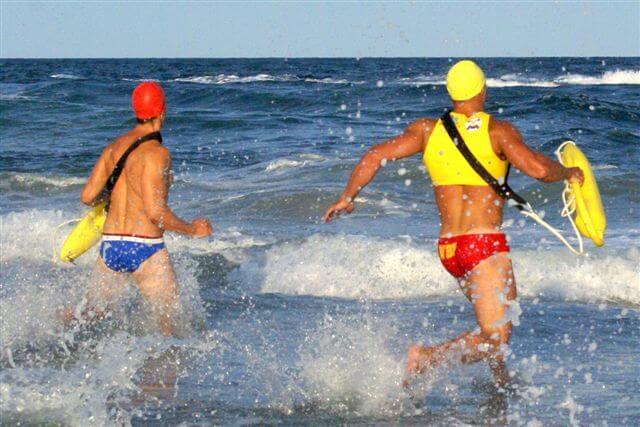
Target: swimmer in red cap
{"points": [[133, 174]]}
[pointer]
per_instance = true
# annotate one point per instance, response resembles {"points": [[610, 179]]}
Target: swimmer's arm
{"points": [[409, 143], [92, 192], [155, 191], [532, 163]]}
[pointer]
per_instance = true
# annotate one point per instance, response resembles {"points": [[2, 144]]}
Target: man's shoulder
{"points": [[119, 143], [496, 124], [154, 151], [423, 124], [501, 127], [425, 121], [151, 150], [151, 147]]}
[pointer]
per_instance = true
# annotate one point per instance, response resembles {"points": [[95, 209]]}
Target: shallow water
{"points": [[290, 320]]}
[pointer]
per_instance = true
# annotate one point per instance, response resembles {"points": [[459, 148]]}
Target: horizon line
{"points": [[317, 57]]}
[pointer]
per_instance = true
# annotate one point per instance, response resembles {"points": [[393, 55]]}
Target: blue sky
{"points": [[318, 29]]}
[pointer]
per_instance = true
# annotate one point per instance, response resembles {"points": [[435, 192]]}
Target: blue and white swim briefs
{"points": [[125, 254]]}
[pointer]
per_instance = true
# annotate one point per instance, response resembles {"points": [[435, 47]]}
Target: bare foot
{"points": [[65, 316], [500, 373], [418, 358], [166, 326], [413, 359]]}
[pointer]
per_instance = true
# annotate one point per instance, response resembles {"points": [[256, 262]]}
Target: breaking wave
{"points": [[65, 76], [17, 181], [617, 77], [365, 267], [289, 163], [221, 79]]}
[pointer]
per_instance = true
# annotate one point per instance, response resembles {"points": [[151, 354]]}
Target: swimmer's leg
{"points": [[157, 282], [105, 287], [489, 287]]}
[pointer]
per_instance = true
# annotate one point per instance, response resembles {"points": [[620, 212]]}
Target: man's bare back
{"points": [[126, 210]]}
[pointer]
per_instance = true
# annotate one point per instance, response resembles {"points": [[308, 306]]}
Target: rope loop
{"points": [[568, 209]]}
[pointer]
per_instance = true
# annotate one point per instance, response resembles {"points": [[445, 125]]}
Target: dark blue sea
{"points": [[290, 321]]}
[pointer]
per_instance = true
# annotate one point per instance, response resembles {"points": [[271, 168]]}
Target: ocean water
{"points": [[288, 320]]}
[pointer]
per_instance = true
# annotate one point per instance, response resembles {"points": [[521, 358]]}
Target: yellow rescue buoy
{"points": [[590, 218], [86, 234]]}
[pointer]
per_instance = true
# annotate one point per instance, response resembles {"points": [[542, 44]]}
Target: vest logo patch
{"points": [[473, 124]]}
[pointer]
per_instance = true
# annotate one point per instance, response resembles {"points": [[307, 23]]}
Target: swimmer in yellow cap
{"points": [[472, 246]]}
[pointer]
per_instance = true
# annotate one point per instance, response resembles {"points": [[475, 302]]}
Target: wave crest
{"points": [[289, 163], [508, 80], [364, 267], [28, 181], [65, 76], [617, 77], [221, 79]]}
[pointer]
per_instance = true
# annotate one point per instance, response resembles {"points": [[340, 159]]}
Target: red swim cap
{"points": [[147, 100]]}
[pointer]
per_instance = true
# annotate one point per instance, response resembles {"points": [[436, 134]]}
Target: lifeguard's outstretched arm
{"points": [[409, 143], [532, 163]]}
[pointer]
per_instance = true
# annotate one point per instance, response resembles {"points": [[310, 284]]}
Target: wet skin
{"points": [[464, 209], [138, 207]]}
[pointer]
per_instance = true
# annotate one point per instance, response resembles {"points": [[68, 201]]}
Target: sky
{"points": [[172, 29]]}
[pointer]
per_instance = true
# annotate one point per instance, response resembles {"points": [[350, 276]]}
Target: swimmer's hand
{"points": [[574, 175], [201, 228], [339, 207]]}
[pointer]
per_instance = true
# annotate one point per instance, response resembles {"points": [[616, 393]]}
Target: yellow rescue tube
{"points": [[590, 217], [86, 234]]}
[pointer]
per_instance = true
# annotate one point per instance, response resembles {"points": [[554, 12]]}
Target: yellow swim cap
{"points": [[464, 80]]}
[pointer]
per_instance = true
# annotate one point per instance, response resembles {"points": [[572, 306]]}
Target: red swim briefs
{"points": [[460, 254]]}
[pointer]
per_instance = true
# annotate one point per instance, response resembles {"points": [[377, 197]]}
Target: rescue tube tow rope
{"points": [[506, 192], [569, 208]]}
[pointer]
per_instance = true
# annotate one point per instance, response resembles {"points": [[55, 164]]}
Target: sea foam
{"points": [[617, 77], [345, 266]]}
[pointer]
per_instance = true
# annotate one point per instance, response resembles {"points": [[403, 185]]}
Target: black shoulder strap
{"points": [[503, 189], [117, 170]]}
